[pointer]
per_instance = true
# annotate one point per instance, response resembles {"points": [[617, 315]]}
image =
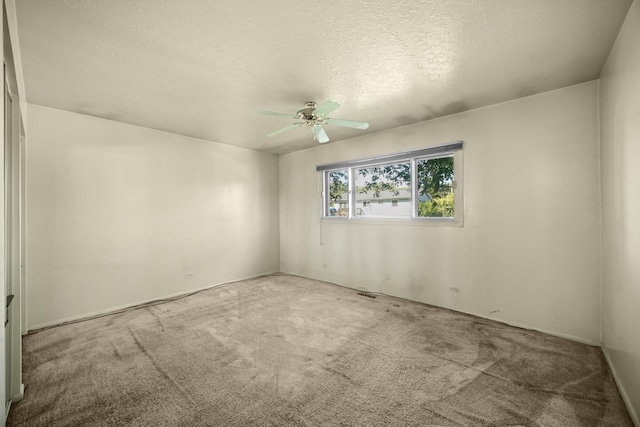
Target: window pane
{"points": [[338, 203], [384, 191], [435, 187]]}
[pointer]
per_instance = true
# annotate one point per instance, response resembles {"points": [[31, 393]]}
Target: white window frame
{"points": [[450, 150]]}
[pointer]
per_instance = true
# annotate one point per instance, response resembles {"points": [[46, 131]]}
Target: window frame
{"points": [[453, 150]]}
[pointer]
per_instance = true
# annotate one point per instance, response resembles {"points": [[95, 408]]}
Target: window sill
{"points": [[428, 222]]}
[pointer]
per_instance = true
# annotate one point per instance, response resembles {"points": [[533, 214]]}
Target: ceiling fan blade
{"points": [[319, 134], [272, 113], [283, 130], [347, 123], [326, 108]]}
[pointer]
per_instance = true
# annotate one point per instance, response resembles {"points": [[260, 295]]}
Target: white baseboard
{"points": [[506, 322], [622, 390], [87, 316], [14, 399], [531, 328], [18, 397]]}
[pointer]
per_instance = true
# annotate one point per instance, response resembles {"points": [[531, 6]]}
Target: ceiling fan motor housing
{"points": [[307, 113]]}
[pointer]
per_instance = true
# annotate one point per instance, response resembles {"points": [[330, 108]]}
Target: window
{"points": [[435, 187], [420, 184], [338, 193], [384, 182]]}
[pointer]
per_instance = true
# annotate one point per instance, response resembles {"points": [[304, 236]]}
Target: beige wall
{"points": [[528, 252], [119, 214], [620, 163]]}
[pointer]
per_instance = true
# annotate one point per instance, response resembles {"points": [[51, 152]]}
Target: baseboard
{"points": [[14, 399], [621, 389], [506, 322], [112, 310], [18, 397], [531, 328]]}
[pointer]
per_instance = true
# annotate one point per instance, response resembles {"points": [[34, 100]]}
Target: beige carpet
{"points": [[287, 351]]}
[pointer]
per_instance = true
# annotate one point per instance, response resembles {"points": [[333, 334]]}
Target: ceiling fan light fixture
{"points": [[319, 134]]}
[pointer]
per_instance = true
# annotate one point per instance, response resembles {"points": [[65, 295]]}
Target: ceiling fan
{"points": [[314, 116]]}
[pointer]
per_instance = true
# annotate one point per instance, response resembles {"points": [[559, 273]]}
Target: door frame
{"points": [[12, 234]]}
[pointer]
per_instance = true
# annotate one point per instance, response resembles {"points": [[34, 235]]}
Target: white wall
{"points": [[530, 242], [620, 162], [118, 214]]}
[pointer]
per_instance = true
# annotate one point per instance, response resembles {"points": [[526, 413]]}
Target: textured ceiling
{"points": [[204, 68]]}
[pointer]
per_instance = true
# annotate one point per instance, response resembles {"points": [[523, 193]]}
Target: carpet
{"points": [[282, 350]]}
